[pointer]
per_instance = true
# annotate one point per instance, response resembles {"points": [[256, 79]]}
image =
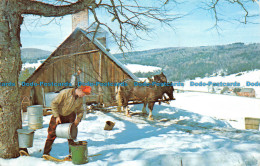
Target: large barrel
{"points": [[35, 116], [25, 138]]}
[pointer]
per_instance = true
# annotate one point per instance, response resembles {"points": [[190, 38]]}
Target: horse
{"points": [[160, 78], [147, 94]]}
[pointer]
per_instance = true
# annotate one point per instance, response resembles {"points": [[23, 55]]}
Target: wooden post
{"points": [[100, 73]]}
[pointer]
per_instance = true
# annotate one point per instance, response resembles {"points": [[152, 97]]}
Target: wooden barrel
{"points": [[252, 123]]}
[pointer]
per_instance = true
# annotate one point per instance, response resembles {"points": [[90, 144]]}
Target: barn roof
{"points": [[100, 46], [96, 43]]}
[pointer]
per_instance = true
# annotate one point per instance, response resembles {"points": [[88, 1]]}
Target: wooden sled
{"points": [[50, 158]]}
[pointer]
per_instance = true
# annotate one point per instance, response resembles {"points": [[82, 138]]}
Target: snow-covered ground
{"points": [[36, 65], [249, 76], [134, 68], [198, 129]]}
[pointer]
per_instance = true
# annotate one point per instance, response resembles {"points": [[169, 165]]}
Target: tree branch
{"points": [[213, 6], [131, 18], [49, 10], [128, 16]]}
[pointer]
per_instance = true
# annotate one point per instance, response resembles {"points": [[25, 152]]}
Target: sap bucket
{"points": [[79, 152], [25, 138], [67, 130], [109, 125], [35, 116]]}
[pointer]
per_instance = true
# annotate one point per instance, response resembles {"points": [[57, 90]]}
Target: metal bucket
{"points": [[25, 138], [67, 130], [109, 125], [35, 116], [79, 152]]}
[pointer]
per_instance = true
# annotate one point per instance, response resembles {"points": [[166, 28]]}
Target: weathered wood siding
{"points": [[96, 67]]}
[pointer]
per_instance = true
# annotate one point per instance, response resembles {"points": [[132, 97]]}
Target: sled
{"points": [[68, 158], [23, 153], [50, 158]]}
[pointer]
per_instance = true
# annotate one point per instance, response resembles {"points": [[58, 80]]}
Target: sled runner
{"points": [[68, 158], [48, 157]]}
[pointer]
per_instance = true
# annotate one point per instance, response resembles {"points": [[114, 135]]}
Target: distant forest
{"points": [[32, 55], [182, 63]]}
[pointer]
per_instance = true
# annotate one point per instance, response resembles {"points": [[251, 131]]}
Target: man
{"points": [[75, 78], [65, 107]]}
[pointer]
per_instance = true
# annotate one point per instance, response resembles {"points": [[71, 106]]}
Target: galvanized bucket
{"points": [[35, 116], [25, 138], [109, 125], [79, 152], [67, 130]]}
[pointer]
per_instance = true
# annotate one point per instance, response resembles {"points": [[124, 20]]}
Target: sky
{"points": [[196, 28]]}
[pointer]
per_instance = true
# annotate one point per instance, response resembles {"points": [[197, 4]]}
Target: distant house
{"points": [[248, 92]]}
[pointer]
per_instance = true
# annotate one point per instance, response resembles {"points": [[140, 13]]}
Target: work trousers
{"points": [[52, 131]]}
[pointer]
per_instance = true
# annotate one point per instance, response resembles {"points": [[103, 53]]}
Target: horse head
{"points": [[160, 78], [150, 80], [169, 90]]}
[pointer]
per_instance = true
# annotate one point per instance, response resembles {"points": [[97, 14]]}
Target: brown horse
{"points": [[147, 94], [160, 78]]}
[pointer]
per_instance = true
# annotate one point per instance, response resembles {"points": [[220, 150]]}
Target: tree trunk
{"points": [[10, 63], [10, 66]]}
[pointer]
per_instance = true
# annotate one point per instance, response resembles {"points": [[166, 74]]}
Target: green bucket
{"points": [[79, 152]]}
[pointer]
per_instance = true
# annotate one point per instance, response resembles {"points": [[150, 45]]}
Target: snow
{"points": [[134, 68], [32, 65], [197, 129], [250, 76]]}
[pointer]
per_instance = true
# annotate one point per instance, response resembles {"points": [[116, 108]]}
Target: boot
{"points": [[70, 141], [47, 147]]}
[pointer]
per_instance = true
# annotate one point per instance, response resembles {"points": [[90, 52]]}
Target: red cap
{"points": [[86, 89]]}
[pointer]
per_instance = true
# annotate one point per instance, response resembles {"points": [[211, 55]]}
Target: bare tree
{"points": [[215, 7], [130, 17]]}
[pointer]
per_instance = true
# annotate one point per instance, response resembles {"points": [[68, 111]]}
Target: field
{"points": [[195, 130]]}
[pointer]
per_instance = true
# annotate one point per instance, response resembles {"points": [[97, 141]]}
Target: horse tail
{"points": [[119, 98]]}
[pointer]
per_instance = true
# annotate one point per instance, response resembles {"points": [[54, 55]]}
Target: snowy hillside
{"points": [[198, 129], [242, 78], [33, 65], [134, 68]]}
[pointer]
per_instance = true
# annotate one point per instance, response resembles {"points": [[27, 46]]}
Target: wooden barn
{"points": [[248, 92], [77, 51]]}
